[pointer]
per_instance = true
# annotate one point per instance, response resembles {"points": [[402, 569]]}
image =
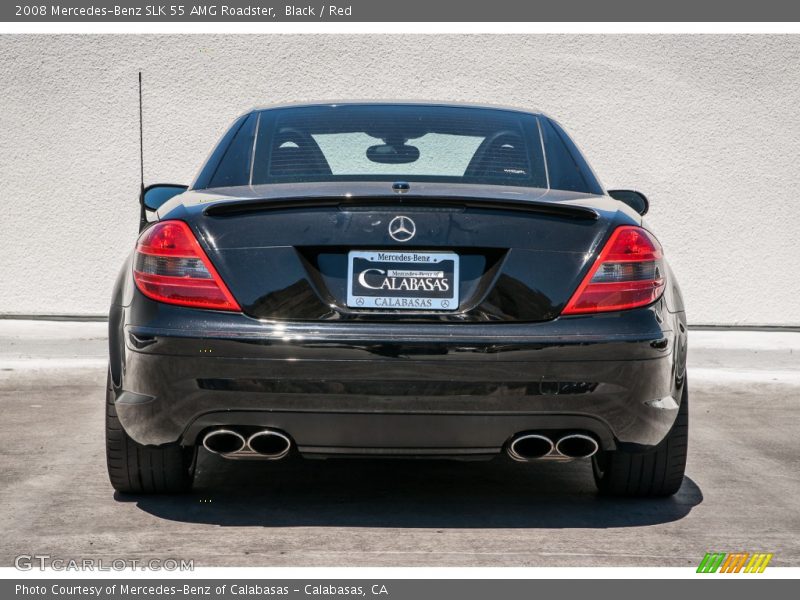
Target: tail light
{"points": [[629, 272], [170, 266]]}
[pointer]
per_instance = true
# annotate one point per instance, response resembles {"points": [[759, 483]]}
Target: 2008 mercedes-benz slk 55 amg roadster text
{"points": [[397, 279]]}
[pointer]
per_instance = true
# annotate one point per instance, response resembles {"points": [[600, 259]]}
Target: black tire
{"points": [[658, 472], [137, 469]]}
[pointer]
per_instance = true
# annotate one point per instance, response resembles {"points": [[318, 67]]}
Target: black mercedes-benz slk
{"points": [[397, 279]]}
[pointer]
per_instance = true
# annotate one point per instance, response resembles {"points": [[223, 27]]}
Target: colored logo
{"points": [[736, 562]]}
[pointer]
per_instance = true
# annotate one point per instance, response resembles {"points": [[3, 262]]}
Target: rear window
{"points": [[390, 143]]}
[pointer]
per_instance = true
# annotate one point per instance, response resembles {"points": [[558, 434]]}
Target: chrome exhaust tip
{"points": [[529, 447], [577, 445], [269, 444], [224, 441]]}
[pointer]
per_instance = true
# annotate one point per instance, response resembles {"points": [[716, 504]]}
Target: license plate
{"points": [[392, 280]]}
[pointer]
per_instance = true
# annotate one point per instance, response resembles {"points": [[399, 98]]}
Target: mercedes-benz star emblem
{"points": [[402, 228]]}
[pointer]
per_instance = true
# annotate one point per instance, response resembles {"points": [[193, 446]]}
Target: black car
{"points": [[397, 279]]}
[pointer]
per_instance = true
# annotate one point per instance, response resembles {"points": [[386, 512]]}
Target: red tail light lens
{"points": [[629, 272], [170, 266]]}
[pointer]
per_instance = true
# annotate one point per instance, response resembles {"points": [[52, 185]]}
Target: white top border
{"points": [[251, 27]]}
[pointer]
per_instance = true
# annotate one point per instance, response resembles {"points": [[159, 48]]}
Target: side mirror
{"points": [[156, 195], [636, 200]]}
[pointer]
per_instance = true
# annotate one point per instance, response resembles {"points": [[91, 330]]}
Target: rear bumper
{"points": [[401, 388]]}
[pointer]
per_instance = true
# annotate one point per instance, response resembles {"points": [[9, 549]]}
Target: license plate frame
{"points": [[406, 280]]}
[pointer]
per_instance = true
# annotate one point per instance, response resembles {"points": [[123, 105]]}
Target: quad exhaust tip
{"points": [[270, 444], [224, 441], [577, 445], [532, 446], [266, 444]]}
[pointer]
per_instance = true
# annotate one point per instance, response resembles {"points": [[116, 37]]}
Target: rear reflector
{"points": [[628, 273], [170, 266]]}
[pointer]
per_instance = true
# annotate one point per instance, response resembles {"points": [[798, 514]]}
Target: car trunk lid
{"points": [[297, 257]]}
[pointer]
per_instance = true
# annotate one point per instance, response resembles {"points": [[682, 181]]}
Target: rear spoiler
{"points": [[237, 207]]}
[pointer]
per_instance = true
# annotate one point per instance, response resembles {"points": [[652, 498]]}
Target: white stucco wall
{"points": [[707, 126]]}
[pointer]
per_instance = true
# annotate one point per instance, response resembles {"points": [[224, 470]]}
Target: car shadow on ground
{"points": [[407, 493]]}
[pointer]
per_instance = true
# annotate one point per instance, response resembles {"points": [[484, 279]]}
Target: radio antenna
{"points": [[142, 213]]}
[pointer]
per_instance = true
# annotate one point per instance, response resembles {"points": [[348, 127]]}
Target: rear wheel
{"points": [[137, 469], [658, 472]]}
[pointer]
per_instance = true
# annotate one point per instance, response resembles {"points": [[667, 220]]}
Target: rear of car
{"points": [[397, 280]]}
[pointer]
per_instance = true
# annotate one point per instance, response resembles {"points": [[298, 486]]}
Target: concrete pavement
{"points": [[741, 491]]}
